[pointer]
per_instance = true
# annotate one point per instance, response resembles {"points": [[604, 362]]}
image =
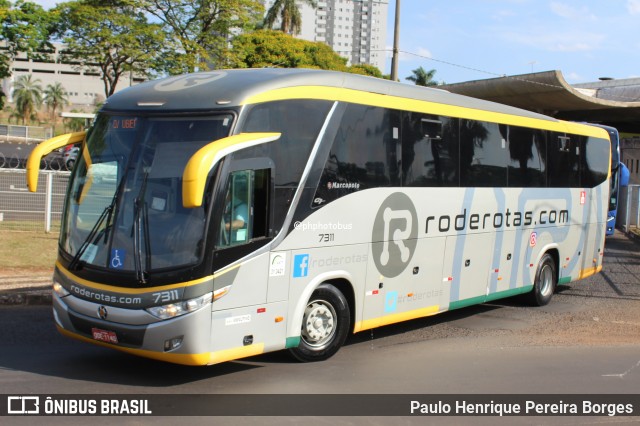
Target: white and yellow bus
{"points": [[225, 214]]}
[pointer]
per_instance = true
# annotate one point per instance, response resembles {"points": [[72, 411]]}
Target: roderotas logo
{"points": [[395, 232]]}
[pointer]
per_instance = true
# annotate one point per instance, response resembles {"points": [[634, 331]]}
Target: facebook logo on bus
{"points": [[300, 265]]}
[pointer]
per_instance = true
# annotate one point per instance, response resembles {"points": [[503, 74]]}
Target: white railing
{"points": [[12, 133], [21, 210]]}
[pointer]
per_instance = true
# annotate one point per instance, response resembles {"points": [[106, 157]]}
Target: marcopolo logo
{"points": [[395, 230]]}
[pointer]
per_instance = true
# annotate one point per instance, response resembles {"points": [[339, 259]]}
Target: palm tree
{"points": [[55, 97], [290, 18], [28, 96], [421, 77]]}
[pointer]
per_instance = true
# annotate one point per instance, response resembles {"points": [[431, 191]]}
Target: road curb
{"points": [[26, 298]]}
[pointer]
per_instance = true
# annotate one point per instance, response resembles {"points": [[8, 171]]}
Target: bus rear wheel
{"points": [[545, 281], [325, 325]]}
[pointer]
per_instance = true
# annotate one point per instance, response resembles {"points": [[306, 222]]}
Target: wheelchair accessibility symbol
{"points": [[117, 258]]}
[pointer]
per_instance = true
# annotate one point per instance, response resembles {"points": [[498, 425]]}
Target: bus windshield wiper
{"points": [[141, 226], [90, 237], [93, 234]]}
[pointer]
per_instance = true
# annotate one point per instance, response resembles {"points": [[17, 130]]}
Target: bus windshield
{"points": [[124, 206]]}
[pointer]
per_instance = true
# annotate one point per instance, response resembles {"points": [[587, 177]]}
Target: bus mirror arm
{"points": [[44, 148], [194, 176]]}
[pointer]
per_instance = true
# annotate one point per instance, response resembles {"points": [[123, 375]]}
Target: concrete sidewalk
{"points": [[25, 290]]}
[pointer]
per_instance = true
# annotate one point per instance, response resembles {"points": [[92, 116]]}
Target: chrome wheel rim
{"points": [[319, 324], [546, 280]]}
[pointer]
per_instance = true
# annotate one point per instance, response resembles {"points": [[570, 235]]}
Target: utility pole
{"points": [[396, 43]]}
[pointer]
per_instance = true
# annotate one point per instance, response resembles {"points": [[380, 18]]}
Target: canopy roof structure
{"points": [[612, 102]]}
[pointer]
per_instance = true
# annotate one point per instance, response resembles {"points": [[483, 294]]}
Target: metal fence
{"points": [[21, 210], [11, 133], [629, 208]]}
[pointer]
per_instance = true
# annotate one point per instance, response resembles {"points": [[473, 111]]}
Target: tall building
{"points": [[356, 29]]}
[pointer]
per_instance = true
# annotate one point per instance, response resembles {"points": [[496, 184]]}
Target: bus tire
{"points": [[325, 325], [545, 282]]}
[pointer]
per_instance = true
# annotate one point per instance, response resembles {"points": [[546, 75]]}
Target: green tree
{"points": [[198, 31], [54, 98], [12, 114], [421, 77], [112, 35], [27, 95], [267, 48], [73, 124], [365, 69], [289, 13], [24, 27]]}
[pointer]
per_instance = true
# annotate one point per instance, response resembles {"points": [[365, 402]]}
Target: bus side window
{"points": [[246, 209], [563, 158]]}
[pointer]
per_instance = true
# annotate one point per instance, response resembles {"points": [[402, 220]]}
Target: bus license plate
{"points": [[104, 335]]}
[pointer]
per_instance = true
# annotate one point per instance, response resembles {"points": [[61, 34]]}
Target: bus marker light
{"points": [[262, 310], [221, 292], [372, 293], [279, 319], [447, 279], [173, 343], [410, 295]]}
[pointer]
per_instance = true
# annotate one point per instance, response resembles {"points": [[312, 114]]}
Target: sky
{"points": [[466, 40]]}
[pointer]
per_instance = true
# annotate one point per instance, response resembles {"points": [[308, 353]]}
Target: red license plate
{"points": [[104, 335]]}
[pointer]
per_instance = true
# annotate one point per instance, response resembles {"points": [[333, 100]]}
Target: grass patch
{"points": [[29, 252]]}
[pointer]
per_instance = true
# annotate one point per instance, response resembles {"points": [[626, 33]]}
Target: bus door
{"points": [[241, 219]]}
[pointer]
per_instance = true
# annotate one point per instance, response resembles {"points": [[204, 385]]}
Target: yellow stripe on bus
{"points": [[236, 353], [589, 271], [115, 289], [406, 104], [206, 358], [394, 318]]}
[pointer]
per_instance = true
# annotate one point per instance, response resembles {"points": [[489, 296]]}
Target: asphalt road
{"points": [[587, 341]]}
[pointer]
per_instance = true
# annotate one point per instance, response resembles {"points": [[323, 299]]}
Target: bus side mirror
{"points": [[194, 177], [44, 148]]}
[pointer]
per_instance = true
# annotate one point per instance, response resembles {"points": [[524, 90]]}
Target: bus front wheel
{"points": [[325, 325], [545, 281]]}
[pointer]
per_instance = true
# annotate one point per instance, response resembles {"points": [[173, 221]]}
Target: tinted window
{"points": [[300, 122], [429, 150], [595, 167], [483, 154], [563, 160], [364, 154], [527, 153]]}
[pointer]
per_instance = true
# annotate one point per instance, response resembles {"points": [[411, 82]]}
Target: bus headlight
{"points": [[59, 290], [173, 310]]}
